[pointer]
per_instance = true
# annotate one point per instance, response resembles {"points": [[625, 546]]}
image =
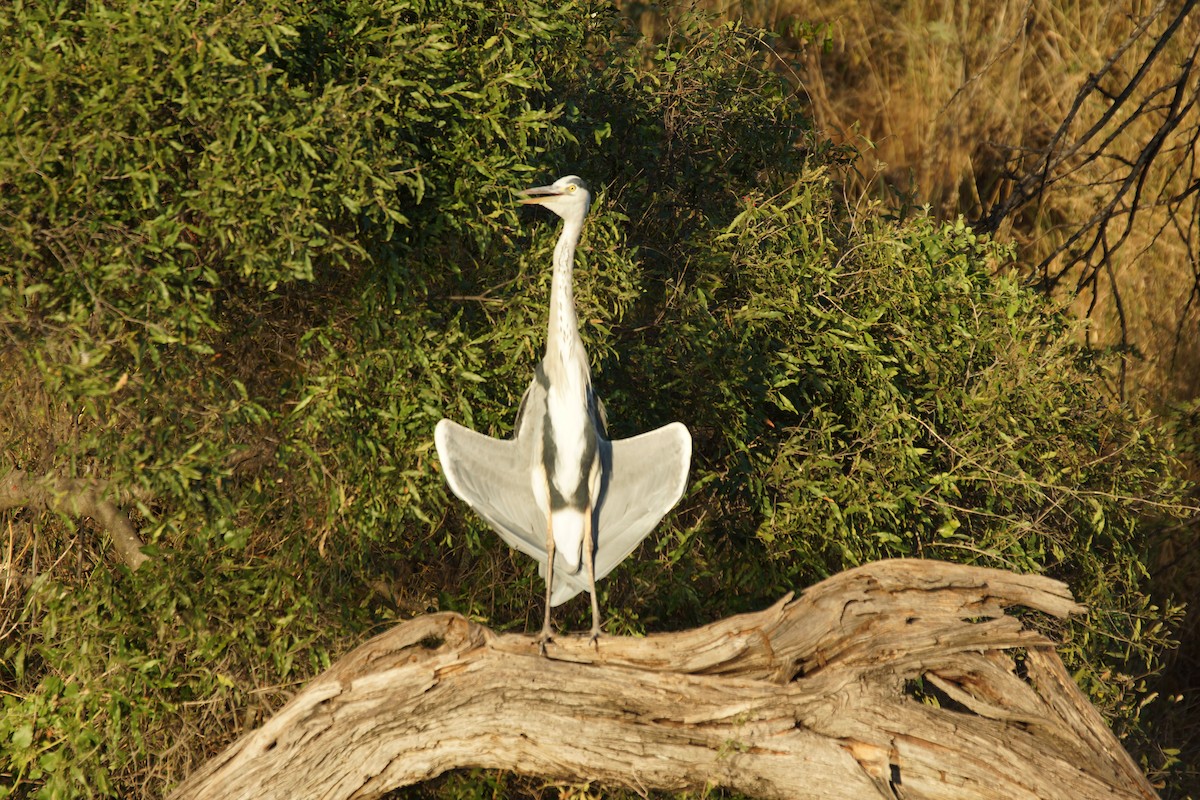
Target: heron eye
{"points": [[571, 188]]}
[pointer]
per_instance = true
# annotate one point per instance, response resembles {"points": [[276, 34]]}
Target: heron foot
{"points": [[595, 638], [547, 635]]}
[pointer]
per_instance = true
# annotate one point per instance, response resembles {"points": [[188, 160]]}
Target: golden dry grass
{"points": [[952, 96], [945, 100], [950, 102]]}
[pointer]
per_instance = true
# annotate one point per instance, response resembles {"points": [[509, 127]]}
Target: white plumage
{"points": [[559, 490]]}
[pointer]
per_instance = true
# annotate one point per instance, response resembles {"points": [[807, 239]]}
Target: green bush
{"points": [[252, 253]]}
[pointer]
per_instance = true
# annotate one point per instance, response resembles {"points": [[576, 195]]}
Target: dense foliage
{"points": [[252, 253]]}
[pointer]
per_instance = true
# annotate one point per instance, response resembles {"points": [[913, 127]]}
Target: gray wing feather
{"points": [[492, 477], [644, 477]]}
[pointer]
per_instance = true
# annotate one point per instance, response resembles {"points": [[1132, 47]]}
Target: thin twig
{"points": [[75, 497]]}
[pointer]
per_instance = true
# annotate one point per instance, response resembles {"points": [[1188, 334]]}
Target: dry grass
{"points": [[948, 101], [955, 98]]}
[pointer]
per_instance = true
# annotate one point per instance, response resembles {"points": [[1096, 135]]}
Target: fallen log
{"points": [[898, 679]]}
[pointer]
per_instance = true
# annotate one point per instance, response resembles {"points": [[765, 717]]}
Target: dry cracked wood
{"points": [[810, 698]]}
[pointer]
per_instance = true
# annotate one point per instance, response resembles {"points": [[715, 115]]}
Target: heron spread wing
{"points": [[492, 476], [644, 477], [545, 476]]}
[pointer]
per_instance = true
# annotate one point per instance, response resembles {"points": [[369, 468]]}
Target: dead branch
{"points": [[815, 697], [1058, 152], [1129, 141], [74, 497]]}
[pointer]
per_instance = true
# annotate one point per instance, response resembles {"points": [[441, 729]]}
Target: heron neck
{"points": [[563, 334]]}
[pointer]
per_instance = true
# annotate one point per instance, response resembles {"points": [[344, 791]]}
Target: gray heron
{"points": [[559, 490]]}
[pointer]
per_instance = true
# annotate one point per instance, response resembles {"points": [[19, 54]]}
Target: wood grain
{"points": [[815, 697]]}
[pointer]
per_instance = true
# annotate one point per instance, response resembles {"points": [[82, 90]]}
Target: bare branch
{"points": [[74, 497], [1054, 155], [815, 697], [1125, 153]]}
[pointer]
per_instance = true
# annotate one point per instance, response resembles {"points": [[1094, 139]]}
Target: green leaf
{"points": [[22, 737]]}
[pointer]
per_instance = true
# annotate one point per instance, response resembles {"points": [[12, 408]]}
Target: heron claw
{"points": [[543, 638], [595, 639]]}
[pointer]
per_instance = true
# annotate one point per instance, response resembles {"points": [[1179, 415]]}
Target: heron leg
{"points": [[590, 555], [547, 634]]}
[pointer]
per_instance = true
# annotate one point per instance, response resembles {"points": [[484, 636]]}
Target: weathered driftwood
{"points": [[811, 698]]}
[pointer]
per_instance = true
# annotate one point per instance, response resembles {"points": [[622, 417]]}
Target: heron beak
{"points": [[538, 194]]}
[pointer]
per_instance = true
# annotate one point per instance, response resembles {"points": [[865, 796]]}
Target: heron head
{"points": [[568, 197]]}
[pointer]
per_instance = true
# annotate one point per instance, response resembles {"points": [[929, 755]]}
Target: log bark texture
{"points": [[811, 698]]}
